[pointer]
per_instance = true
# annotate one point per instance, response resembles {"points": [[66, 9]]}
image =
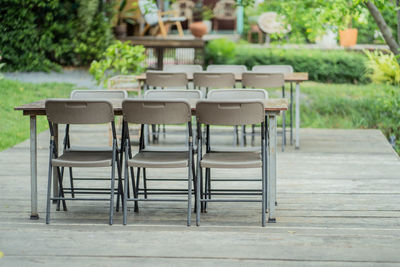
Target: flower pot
{"points": [[198, 29], [120, 30], [348, 37]]}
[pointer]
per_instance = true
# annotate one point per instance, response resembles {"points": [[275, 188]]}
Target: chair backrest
{"points": [[156, 111], [237, 94], [214, 79], [166, 79], [273, 68], [99, 94], [237, 69], [234, 112], [69, 111], [149, 11], [262, 80], [188, 69], [173, 94]]}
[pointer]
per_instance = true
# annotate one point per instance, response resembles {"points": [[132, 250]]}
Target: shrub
{"points": [[220, 51], [384, 68], [38, 35], [119, 58], [323, 66]]}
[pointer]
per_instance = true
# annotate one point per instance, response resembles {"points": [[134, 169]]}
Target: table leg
{"points": [[55, 173], [272, 168], [33, 158], [297, 145]]}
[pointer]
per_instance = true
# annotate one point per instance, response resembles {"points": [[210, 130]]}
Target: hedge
{"points": [[323, 66]]}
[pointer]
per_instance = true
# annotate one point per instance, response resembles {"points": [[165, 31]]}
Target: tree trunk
{"points": [[383, 27]]}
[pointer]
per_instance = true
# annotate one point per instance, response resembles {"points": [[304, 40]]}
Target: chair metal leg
{"points": [[112, 184], [126, 177], [60, 190], [144, 183], [71, 180], [49, 185], [120, 188], [198, 195], [190, 178], [253, 133], [137, 189]]}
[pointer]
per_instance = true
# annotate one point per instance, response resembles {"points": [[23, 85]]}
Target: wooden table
{"points": [[273, 108], [296, 77]]}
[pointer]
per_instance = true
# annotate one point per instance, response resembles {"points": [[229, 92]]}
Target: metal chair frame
{"points": [[61, 190], [203, 198], [145, 192]]}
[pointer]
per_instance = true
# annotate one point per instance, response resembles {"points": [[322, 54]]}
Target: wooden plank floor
{"points": [[338, 205]]}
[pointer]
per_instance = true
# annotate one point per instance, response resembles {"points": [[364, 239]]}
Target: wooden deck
{"points": [[338, 205]]}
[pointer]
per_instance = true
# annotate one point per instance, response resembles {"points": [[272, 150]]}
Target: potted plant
{"points": [[198, 28], [119, 59], [123, 17], [207, 16]]}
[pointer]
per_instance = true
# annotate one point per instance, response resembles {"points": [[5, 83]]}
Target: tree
{"points": [[373, 7]]}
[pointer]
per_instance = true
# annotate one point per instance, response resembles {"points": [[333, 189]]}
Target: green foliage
{"points": [[384, 67], [324, 66], [352, 106], [220, 51], [119, 58], [38, 35], [14, 127]]}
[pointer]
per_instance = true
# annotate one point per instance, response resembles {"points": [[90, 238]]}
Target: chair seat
{"points": [[159, 160], [84, 159], [231, 160], [89, 149]]}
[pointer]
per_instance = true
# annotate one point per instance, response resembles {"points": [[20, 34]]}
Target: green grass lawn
{"points": [[349, 106], [14, 127], [345, 106]]}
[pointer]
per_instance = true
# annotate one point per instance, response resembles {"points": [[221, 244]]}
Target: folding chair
{"points": [[157, 112], [127, 83], [266, 80], [163, 79], [281, 69], [189, 95], [213, 80], [239, 94], [91, 95], [231, 113], [237, 69], [186, 68], [71, 112]]}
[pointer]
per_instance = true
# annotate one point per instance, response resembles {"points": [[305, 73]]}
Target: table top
{"points": [[38, 108], [289, 77]]}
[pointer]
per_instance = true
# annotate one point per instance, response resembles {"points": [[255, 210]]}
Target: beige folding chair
{"points": [[163, 79], [212, 80], [266, 80], [237, 69], [114, 95], [71, 112], [190, 95], [186, 68], [231, 113], [143, 111], [127, 83], [239, 94], [281, 69]]}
